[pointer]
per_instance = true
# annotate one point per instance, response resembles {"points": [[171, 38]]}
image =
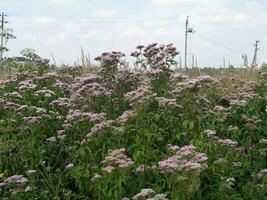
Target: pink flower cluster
{"points": [[13, 95], [96, 177], [167, 102], [153, 73], [155, 56], [27, 85], [16, 179], [98, 127], [185, 159], [227, 142], [87, 78], [109, 59], [47, 76], [91, 89], [148, 194], [44, 93], [189, 84], [116, 159], [126, 115], [210, 133], [178, 76], [128, 76], [61, 102], [251, 121], [138, 96], [144, 193]]}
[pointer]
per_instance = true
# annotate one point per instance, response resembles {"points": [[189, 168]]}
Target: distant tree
{"points": [[30, 54], [231, 67], [263, 67], [7, 35]]}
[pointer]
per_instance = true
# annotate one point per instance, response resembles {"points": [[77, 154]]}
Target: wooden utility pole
{"points": [[3, 22], [180, 61], [185, 51], [254, 62]]}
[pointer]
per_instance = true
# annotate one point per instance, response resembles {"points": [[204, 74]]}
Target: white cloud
{"points": [[103, 13], [235, 26]]}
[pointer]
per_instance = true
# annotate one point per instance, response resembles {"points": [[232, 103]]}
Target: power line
{"points": [[114, 20], [218, 43]]}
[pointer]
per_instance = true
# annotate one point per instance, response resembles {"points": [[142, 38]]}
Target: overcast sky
{"points": [[62, 27]]}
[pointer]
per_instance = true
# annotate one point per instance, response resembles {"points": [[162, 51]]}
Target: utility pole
{"points": [[185, 51], [254, 62], [245, 60], [3, 22], [224, 62], [180, 61], [187, 30]]}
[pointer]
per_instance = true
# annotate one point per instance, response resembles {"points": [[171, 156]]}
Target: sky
{"points": [[223, 28]]}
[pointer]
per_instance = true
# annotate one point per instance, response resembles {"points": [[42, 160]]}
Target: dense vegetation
{"points": [[146, 133]]}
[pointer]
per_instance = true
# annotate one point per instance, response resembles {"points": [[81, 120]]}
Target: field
{"points": [[153, 132]]}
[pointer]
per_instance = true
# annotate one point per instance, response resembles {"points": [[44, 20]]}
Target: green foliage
{"points": [[66, 158]]}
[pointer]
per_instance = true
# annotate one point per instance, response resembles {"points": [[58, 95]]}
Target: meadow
{"points": [[153, 132]]}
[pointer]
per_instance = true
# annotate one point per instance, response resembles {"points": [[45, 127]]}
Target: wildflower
{"points": [[206, 79], [125, 117], [61, 134], [30, 172], [69, 166], [219, 109], [27, 85], [167, 102], [227, 142], [128, 76], [28, 189], [88, 78], [96, 177], [16, 179], [140, 168], [174, 148], [32, 120], [237, 164], [117, 159], [153, 73], [233, 128], [118, 130], [263, 141], [13, 94], [51, 139], [177, 76], [98, 117], [185, 159], [139, 95], [44, 93], [220, 161], [143, 193], [229, 183], [108, 169], [210, 133], [98, 127], [158, 197]]}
